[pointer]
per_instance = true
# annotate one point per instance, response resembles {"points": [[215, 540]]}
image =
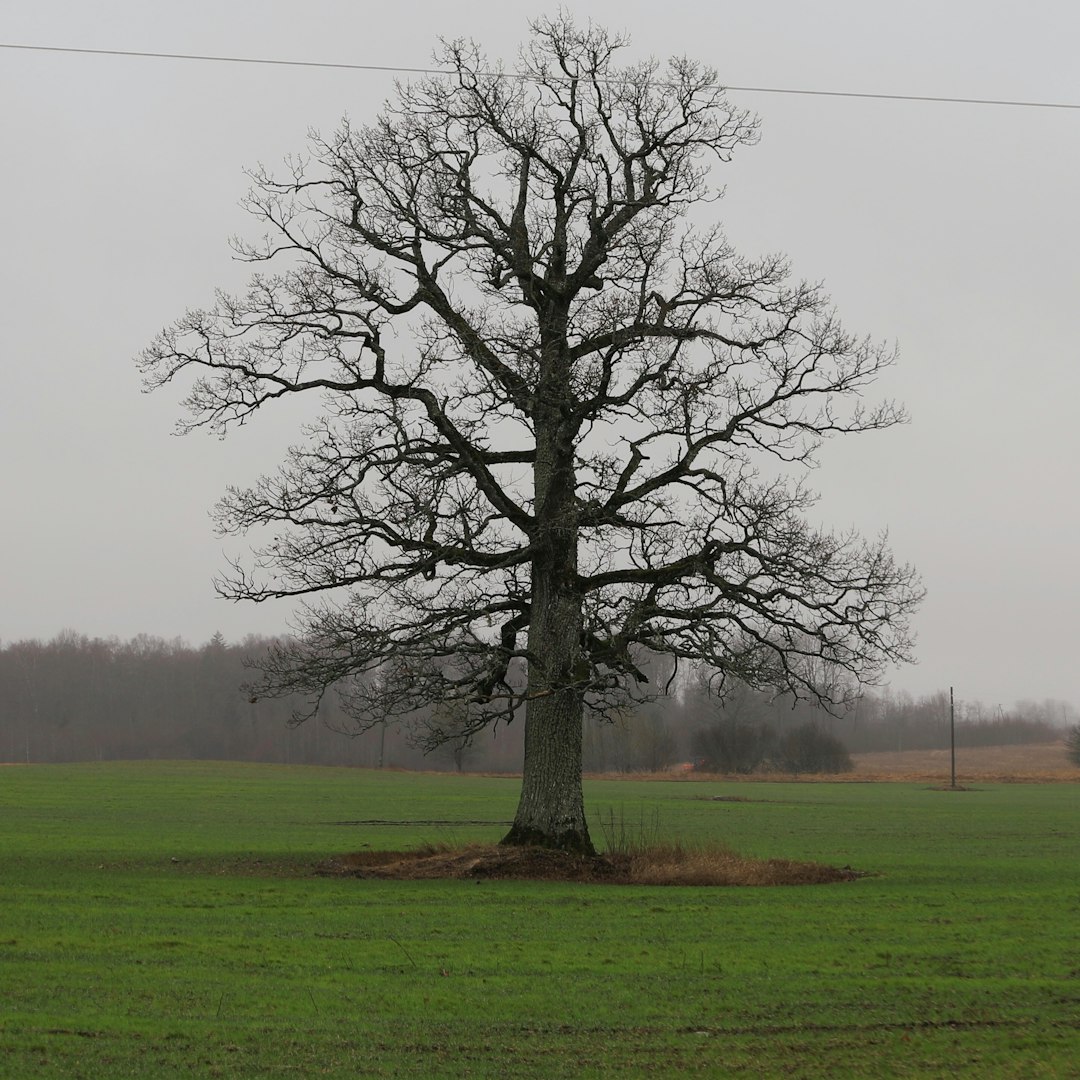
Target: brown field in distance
{"points": [[1033, 763], [1046, 762]]}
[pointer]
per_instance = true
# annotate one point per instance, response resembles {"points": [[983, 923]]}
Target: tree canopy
{"points": [[563, 421]]}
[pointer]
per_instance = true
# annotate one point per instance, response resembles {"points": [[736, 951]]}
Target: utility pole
{"points": [[952, 737]]}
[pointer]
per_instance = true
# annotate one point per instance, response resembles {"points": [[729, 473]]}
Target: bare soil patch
{"points": [[659, 865]]}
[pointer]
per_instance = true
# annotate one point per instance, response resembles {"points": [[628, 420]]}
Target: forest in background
{"points": [[76, 698]]}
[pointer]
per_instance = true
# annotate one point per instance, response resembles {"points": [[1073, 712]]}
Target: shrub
{"points": [[732, 746], [809, 749]]}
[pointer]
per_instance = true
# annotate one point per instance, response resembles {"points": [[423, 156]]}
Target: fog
{"points": [[950, 228]]}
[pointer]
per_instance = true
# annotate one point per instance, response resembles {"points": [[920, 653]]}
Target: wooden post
{"points": [[952, 737]]}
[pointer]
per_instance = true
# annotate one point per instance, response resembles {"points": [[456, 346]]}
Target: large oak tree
{"points": [[562, 421]]}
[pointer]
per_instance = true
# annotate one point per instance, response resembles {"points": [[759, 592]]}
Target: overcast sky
{"points": [[949, 228]]}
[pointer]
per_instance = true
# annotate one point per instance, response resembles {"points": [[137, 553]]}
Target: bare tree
{"points": [[1072, 744], [562, 421]]}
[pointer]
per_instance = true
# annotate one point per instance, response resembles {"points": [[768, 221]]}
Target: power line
{"points": [[398, 70], [908, 97], [226, 59]]}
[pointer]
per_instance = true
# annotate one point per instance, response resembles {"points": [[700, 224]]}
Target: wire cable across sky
{"points": [[401, 70]]}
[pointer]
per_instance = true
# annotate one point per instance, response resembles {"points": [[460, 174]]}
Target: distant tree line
{"points": [[76, 698], [886, 721]]}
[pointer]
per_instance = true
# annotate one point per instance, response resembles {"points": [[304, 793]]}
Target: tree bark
{"points": [[551, 811]]}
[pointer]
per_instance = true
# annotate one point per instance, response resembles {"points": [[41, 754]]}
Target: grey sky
{"points": [[950, 228]]}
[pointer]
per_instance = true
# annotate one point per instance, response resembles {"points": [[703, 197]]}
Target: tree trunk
{"points": [[551, 812]]}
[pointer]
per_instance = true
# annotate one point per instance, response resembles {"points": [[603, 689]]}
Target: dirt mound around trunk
{"points": [[659, 865]]}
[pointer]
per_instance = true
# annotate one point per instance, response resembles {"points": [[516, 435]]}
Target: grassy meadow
{"points": [[165, 919]]}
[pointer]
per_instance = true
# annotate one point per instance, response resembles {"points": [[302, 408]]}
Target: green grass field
{"points": [[164, 920]]}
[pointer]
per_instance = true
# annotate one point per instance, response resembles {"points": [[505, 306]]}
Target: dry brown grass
{"points": [[676, 865], [1029, 763], [660, 864]]}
